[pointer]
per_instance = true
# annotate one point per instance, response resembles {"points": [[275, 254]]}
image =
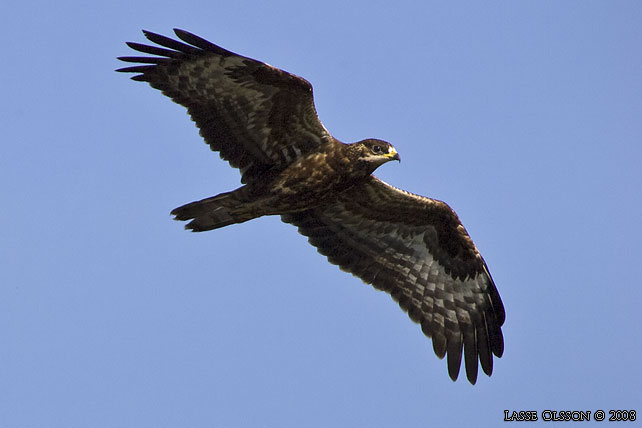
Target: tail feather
{"points": [[210, 213]]}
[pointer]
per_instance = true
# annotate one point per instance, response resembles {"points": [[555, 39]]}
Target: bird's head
{"points": [[374, 153]]}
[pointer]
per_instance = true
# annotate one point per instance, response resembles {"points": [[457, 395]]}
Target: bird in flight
{"points": [[262, 120]]}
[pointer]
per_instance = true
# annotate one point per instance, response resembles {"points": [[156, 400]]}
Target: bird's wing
{"points": [[417, 250], [258, 117]]}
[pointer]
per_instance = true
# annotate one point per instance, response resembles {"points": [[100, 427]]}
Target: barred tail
{"points": [[211, 213]]}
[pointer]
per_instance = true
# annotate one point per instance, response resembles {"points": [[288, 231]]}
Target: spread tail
{"points": [[212, 213]]}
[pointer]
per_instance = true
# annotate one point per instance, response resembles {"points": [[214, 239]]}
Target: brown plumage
{"points": [[262, 120]]}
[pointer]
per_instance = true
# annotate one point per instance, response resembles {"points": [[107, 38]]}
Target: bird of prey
{"points": [[262, 120]]}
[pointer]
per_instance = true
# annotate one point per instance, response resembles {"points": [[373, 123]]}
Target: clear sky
{"points": [[525, 116]]}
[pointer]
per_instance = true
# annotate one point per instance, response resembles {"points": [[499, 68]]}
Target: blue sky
{"points": [[523, 116]]}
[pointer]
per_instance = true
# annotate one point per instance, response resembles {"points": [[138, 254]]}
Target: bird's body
{"points": [[309, 181], [262, 120]]}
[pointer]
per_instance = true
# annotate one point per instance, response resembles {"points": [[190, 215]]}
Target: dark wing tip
{"points": [[136, 69], [453, 356], [166, 51], [488, 368], [439, 345], [193, 39], [201, 43], [471, 355], [150, 35], [497, 343], [472, 378], [170, 43]]}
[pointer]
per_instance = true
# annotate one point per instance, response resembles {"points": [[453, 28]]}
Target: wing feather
{"points": [[417, 250], [258, 117]]}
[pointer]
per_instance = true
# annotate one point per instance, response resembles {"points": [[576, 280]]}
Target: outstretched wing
{"points": [[258, 117], [417, 250]]}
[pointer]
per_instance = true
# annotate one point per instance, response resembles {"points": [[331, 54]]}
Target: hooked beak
{"points": [[393, 155]]}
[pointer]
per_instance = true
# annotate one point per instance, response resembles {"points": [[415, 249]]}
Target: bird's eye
{"points": [[376, 149]]}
